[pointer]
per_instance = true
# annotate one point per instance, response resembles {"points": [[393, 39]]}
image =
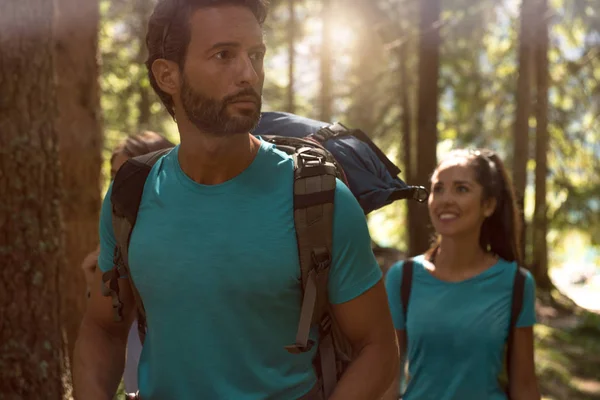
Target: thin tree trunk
{"points": [[428, 94], [32, 357], [523, 111], [143, 9], [540, 225], [326, 65], [408, 139], [80, 140], [291, 106]]}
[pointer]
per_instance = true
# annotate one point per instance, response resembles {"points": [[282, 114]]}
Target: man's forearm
{"points": [[369, 376], [99, 360]]}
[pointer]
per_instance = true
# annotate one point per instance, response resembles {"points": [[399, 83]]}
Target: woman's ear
{"points": [[489, 206], [167, 76]]}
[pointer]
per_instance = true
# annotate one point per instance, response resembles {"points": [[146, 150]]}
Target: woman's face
{"points": [[455, 203], [117, 162]]}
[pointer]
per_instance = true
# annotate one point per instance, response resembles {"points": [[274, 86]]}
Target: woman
{"points": [[140, 144], [457, 320]]}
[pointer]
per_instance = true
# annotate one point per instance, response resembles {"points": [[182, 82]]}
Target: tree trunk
{"points": [[428, 93], [80, 140], [523, 105], [326, 49], [143, 9], [408, 139], [291, 106], [540, 222], [32, 357]]}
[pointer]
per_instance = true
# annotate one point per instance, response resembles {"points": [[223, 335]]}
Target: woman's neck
{"points": [[460, 259]]}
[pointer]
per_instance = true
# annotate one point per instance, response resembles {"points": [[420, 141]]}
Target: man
{"points": [[213, 252]]}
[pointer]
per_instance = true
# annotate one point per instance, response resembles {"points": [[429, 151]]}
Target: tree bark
{"points": [[427, 116], [523, 111], [80, 139], [540, 225], [292, 28], [143, 9], [32, 356], [326, 49]]}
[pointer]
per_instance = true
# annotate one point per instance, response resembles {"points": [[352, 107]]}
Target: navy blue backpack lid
{"points": [[371, 176]]}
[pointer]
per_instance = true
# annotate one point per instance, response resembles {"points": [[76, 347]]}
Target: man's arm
{"points": [[99, 356], [367, 323]]}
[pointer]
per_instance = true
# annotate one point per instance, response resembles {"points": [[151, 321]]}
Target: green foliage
{"points": [[372, 38]]}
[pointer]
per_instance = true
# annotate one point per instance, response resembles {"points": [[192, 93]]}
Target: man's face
{"points": [[222, 79]]}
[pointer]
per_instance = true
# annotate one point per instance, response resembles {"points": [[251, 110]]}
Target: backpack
{"points": [[371, 177], [516, 306], [315, 173]]}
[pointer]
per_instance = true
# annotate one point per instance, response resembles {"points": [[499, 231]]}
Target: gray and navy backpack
{"points": [[321, 153]]}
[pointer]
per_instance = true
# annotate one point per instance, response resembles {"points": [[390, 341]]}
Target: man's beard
{"points": [[211, 116]]}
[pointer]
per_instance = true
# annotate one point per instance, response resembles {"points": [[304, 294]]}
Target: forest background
{"points": [[521, 77]]}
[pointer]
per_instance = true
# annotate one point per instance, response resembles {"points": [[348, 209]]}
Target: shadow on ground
{"points": [[568, 351]]}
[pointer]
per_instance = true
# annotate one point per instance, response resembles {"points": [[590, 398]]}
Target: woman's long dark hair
{"points": [[501, 231]]}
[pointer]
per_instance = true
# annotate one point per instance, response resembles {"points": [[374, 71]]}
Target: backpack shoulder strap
{"points": [[314, 192], [515, 311], [406, 286], [127, 190]]}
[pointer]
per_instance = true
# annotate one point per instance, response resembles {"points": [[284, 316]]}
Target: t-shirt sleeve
{"points": [[393, 282], [107, 235], [354, 268], [527, 316]]}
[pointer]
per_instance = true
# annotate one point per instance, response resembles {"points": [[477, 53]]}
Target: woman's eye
{"points": [[462, 189], [437, 189]]}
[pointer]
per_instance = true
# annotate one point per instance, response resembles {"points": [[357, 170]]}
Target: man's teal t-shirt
{"points": [[457, 330], [217, 268]]}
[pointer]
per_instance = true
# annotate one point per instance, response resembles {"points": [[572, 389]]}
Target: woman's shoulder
{"points": [[396, 271]]}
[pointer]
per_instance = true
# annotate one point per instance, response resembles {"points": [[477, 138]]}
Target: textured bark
{"points": [[143, 9], [31, 347], [540, 221], [80, 140], [326, 94], [523, 111], [408, 138], [291, 42], [427, 116]]}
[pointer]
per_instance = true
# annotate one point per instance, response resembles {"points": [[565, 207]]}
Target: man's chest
{"points": [[215, 250]]}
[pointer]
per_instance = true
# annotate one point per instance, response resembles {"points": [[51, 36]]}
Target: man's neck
{"points": [[210, 159]]}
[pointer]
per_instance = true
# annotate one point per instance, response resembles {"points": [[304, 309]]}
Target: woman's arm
{"points": [[523, 383]]}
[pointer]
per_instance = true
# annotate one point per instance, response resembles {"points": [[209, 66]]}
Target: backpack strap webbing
{"points": [[515, 311], [314, 192], [126, 197], [405, 289], [406, 286]]}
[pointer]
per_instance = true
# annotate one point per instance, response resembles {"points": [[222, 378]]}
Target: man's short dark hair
{"points": [[168, 33]]}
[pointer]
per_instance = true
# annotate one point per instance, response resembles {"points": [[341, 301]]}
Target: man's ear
{"points": [[166, 74]]}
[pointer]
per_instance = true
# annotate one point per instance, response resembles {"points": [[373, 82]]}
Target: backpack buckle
{"points": [[325, 325], [321, 258], [420, 194]]}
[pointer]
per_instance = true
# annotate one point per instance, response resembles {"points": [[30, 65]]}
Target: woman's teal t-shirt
{"points": [[457, 330]]}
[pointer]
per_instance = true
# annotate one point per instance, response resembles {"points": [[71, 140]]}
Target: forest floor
{"points": [[568, 343]]}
